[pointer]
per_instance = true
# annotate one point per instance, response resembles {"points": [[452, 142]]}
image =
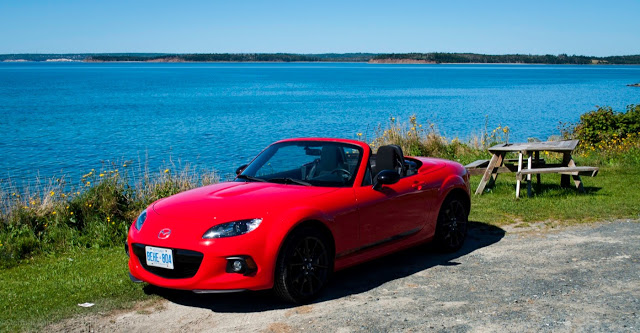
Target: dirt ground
{"points": [[581, 278]]}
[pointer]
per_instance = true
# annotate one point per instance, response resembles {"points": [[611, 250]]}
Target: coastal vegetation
{"points": [[561, 59], [237, 57], [430, 58], [61, 241]]}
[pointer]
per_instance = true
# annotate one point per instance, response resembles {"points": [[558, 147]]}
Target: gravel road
{"points": [[581, 278]]}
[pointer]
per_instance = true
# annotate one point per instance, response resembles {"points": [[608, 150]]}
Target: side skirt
{"points": [[378, 243]]}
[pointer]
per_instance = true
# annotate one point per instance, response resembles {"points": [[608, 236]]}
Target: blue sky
{"points": [[494, 27]]}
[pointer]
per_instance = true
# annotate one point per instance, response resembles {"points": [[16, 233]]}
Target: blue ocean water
{"points": [[66, 118]]}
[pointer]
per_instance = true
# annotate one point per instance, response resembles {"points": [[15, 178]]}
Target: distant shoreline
{"points": [[372, 58], [371, 62]]}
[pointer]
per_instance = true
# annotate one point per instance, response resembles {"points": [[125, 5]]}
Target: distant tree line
{"points": [[436, 57], [443, 58], [238, 57]]}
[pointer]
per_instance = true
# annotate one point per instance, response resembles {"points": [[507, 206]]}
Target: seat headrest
{"points": [[390, 157]]}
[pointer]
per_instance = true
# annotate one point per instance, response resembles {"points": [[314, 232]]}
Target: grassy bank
{"points": [[61, 241], [94, 212], [50, 287]]}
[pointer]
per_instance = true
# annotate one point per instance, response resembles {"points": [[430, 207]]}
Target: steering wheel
{"points": [[346, 173]]}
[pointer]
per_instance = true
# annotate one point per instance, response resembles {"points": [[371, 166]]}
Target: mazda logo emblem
{"points": [[164, 233]]}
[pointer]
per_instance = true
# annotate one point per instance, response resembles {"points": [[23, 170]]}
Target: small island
{"points": [[634, 85]]}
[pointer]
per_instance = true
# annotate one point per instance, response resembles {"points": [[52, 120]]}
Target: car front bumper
{"points": [[203, 268]]}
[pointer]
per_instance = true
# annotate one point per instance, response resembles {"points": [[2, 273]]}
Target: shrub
{"points": [[604, 124], [97, 212], [607, 136]]}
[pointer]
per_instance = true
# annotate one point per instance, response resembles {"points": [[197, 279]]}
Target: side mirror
{"points": [[241, 168], [385, 177]]}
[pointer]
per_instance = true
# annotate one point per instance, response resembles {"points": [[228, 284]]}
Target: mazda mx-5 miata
{"points": [[301, 210]]}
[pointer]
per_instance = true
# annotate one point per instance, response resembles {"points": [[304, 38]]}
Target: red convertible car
{"points": [[302, 209]]}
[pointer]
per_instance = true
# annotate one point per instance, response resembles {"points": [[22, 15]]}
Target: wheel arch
{"points": [[456, 186], [315, 224], [461, 195]]}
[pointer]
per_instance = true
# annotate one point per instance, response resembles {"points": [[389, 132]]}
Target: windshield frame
{"points": [[264, 156]]}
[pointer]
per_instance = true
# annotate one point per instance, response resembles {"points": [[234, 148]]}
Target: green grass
{"points": [[49, 288], [613, 194]]}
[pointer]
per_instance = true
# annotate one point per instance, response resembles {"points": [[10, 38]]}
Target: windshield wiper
{"points": [[255, 179], [288, 180]]}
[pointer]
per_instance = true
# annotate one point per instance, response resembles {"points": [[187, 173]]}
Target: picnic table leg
{"points": [[538, 175], [576, 178], [494, 172], [564, 179], [518, 175], [529, 162], [487, 173]]}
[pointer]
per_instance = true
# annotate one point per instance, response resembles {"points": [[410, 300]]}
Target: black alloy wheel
{"points": [[303, 267], [451, 228]]}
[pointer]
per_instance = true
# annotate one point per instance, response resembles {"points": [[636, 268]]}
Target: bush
{"points": [[604, 124], [97, 212], [607, 136]]}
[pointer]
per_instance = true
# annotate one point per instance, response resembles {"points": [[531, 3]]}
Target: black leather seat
{"points": [[390, 157], [330, 159]]}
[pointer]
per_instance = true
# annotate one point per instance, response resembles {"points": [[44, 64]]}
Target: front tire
{"points": [[303, 266], [451, 228]]}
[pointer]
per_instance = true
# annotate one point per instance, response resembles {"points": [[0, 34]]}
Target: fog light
{"points": [[238, 266], [241, 265]]}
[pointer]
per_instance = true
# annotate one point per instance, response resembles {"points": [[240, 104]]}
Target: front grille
{"points": [[185, 263]]}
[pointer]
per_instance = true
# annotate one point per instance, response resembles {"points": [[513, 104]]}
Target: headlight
{"points": [[141, 219], [231, 229]]}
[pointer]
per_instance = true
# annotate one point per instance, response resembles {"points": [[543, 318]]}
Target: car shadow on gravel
{"points": [[355, 280]]}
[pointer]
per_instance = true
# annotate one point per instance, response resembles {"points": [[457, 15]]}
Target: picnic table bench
{"points": [[534, 164]]}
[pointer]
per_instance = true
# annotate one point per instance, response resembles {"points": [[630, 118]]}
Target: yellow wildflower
{"points": [[102, 175], [88, 183], [52, 193], [53, 213], [71, 213], [359, 134], [166, 171]]}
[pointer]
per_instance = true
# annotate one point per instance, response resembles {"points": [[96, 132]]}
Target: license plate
{"points": [[159, 257]]}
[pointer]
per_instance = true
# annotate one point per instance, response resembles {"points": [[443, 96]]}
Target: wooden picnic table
{"points": [[534, 164]]}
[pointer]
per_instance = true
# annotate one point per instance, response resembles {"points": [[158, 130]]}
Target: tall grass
{"points": [[95, 211], [417, 139]]}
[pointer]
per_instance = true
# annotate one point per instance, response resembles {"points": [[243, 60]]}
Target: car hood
{"points": [[234, 200]]}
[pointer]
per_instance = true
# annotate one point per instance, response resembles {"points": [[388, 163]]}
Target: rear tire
{"points": [[451, 228], [304, 266]]}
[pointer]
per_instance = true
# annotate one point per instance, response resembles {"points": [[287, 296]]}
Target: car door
{"points": [[391, 212]]}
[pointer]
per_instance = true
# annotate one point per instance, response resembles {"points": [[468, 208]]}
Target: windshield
{"points": [[314, 163]]}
